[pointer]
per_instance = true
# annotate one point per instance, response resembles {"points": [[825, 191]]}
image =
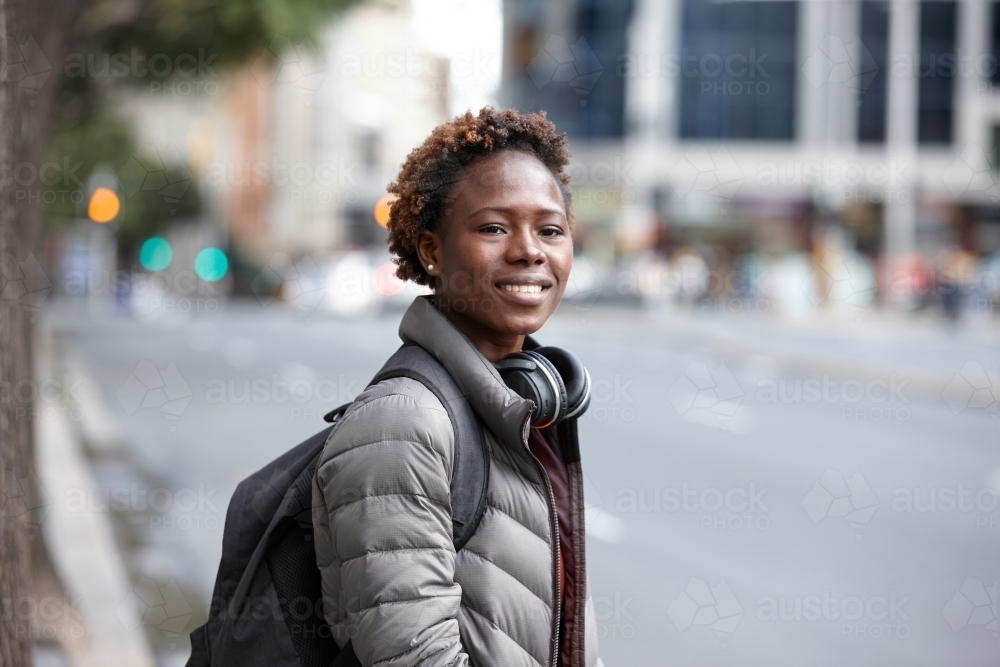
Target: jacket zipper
{"points": [[556, 568]]}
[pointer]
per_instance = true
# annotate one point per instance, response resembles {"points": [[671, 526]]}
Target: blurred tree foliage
{"points": [[229, 31], [120, 43], [154, 192], [139, 41]]}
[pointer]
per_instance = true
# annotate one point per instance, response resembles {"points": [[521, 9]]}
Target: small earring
{"points": [[430, 267]]}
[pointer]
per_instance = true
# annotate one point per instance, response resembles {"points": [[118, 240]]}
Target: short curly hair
{"points": [[426, 178]]}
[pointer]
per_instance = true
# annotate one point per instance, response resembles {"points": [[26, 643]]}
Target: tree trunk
{"points": [[15, 357], [34, 38]]}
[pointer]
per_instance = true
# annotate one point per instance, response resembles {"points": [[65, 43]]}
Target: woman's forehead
{"points": [[508, 176]]}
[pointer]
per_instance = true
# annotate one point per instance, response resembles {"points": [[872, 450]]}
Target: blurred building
{"points": [[293, 151], [770, 127], [322, 133], [816, 138]]}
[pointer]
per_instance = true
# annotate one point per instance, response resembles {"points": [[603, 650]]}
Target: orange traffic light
{"points": [[382, 209], [104, 205]]}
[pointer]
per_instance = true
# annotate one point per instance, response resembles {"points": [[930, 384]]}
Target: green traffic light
{"points": [[155, 254], [211, 264]]}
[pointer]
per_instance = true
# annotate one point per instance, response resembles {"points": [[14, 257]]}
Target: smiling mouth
{"points": [[529, 289]]}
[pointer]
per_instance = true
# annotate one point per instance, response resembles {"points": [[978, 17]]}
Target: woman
{"points": [[484, 217]]}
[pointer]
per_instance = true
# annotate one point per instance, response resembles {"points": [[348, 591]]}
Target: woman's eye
{"points": [[551, 231], [493, 229]]}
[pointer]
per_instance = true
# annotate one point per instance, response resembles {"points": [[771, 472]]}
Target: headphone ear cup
{"points": [[574, 377], [528, 375], [553, 379]]}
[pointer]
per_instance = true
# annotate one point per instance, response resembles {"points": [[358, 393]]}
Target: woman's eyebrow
{"points": [[508, 211]]}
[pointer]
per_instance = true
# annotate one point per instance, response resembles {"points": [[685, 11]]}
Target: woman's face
{"points": [[503, 252]]}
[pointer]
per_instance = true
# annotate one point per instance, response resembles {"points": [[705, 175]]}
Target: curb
{"points": [[82, 543]]}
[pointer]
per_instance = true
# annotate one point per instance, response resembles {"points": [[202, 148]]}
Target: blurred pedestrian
{"points": [[957, 278]]}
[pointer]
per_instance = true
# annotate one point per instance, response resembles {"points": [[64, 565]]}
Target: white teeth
{"points": [[531, 289]]}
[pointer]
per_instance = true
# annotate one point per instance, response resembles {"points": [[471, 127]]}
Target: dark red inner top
{"points": [[544, 444]]}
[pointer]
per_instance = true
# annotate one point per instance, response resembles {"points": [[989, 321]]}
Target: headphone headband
{"points": [[582, 405]]}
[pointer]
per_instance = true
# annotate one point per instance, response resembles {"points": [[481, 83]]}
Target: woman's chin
{"points": [[520, 322]]}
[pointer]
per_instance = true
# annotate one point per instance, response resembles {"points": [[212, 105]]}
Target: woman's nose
{"points": [[524, 245]]}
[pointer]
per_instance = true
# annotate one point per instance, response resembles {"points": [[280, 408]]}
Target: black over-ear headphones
{"points": [[552, 378]]}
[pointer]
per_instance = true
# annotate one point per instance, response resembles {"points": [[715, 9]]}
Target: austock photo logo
{"points": [[306, 181], [48, 399], [293, 281], [25, 282], [285, 62], [875, 617], [836, 496], [583, 288], [148, 387], [975, 387], [978, 503], [151, 605], [838, 283], [833, 61], [25, 499], [972, 173], [850, 499], [875, 400], [706, 174], [734, 509], [601, 524], [613, 616], [267, 501], [856, 617], [974, 605], [186, 508], [709, 396], [612, 399], [163, 171], [26, 65], [573, 65], [349, 284], [50, 182], [186, 73], [712, 607], [307, 394], [44, 618]]}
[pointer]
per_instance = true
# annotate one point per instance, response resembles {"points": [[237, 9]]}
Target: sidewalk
{"points": [[80, 538]]}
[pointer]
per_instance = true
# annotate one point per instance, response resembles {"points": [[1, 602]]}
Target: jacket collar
{"points": [[505, 413]]}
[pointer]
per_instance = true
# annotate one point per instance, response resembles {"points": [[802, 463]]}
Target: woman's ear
{"points": [[429, 252]]}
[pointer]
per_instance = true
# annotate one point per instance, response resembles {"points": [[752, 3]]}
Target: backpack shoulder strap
{"points": [[471, 467]]}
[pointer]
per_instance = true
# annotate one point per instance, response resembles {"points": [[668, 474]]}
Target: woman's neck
{"points": [[492, 344]]}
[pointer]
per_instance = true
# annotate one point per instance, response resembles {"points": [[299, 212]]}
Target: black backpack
{"points": [[267, 604]]}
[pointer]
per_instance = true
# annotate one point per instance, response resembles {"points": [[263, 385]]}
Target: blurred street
{"points": [[785, 285], [761, 491]]}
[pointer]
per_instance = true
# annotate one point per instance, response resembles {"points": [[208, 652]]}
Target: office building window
{"points": [[572, 72], [604, 25], [738, 70], [995, 41], [875, 43], [938, 64]]}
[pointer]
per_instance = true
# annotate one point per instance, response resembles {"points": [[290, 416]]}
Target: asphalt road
{"points": [[762, 492]]}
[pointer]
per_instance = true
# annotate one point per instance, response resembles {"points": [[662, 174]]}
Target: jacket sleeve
{"points": [[383, 482]]}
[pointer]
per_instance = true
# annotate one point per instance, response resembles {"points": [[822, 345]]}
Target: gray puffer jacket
{"points": [[392, 582]]}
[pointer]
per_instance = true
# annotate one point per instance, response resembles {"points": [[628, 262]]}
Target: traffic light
{"points": [[211, 264], [155, 254], [104, 205], [382, 209]]}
